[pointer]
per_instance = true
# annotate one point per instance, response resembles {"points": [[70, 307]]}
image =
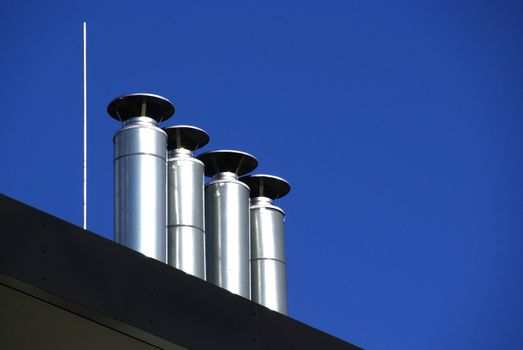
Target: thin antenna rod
{"points": [[85, 126]]}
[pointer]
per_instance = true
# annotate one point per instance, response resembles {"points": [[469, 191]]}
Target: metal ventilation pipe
{"points": [[185, 208], [140, 172], [268, 270], [227, 220]]}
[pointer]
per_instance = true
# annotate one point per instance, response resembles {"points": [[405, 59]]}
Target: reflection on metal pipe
{"points": [[268, 270], [185, 208], [227, 220], [140, 166]]}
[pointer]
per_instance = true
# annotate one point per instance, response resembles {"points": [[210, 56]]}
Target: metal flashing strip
{"points": [[70, 307], [103, 281]]}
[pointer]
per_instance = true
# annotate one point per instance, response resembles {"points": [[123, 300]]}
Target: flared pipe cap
{"points": [[140, 105], [220, 161], [185, 136], [269, 186]]}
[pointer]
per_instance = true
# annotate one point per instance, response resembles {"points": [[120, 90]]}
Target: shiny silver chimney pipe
{"points": [[268, 270], [140, 171], [227, 220], [185, 200]]}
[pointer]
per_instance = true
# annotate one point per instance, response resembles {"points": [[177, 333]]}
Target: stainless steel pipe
{"points": [[227, 220], [185, 200], [140, 172], [268, 269]]}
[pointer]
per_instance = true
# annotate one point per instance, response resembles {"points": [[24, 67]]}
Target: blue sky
{"points": [[398, 125]]}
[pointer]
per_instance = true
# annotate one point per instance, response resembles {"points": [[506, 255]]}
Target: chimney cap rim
{"points": [[219, 161], [129, 106], [186, 136], [264, 185]]}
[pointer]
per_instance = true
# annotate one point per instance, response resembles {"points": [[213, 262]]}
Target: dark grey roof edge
{"points": [[99, 279]]}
